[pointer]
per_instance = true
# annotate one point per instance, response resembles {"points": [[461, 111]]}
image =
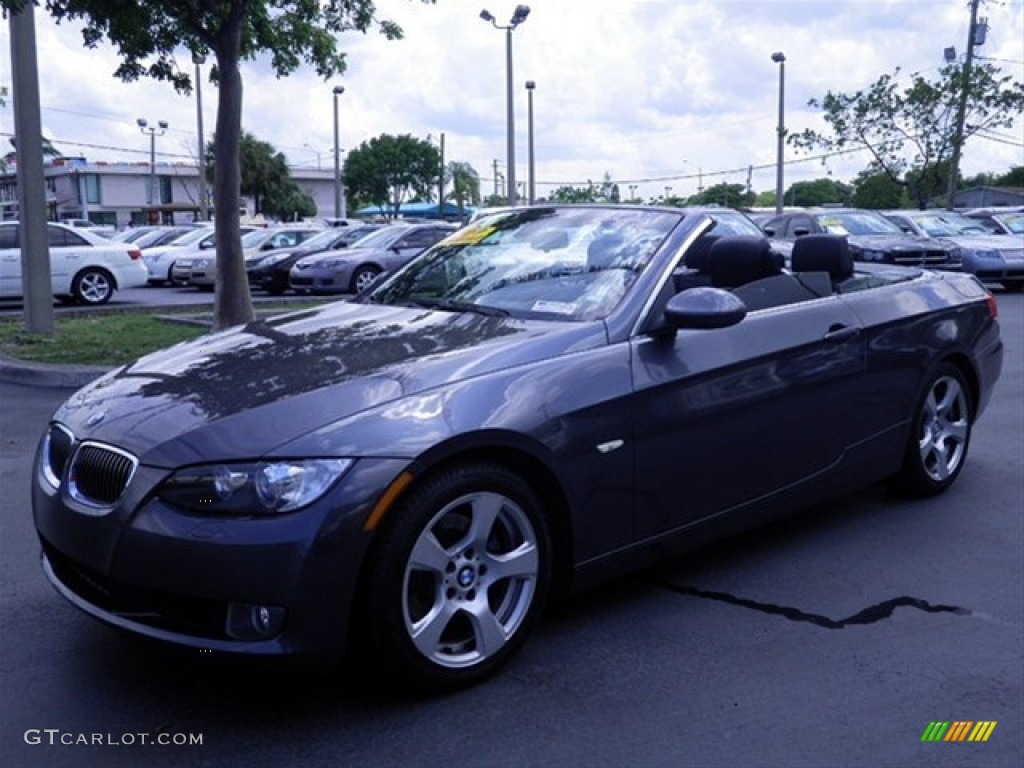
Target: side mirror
{"points": [[770, 231], [704, 308], [800, 231]]}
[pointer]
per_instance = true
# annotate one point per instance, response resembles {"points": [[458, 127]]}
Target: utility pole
{"points": [[961, 112], [36, 280], [440, 186]]}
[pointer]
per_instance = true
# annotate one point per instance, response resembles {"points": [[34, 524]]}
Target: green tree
{"points": [[818, 192], [570, 194], [465, 185], [728, 195], [151, 35], [914, 128], [386, 171], [874, 188], [1012, 178]]}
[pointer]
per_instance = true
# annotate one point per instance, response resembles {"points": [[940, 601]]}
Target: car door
{"points": [[68, 254], [10, 262], [743, 416]]}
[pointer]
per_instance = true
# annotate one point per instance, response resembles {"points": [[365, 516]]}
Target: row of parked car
{"points": [[87, 268], [300, 258], [988, 243]]}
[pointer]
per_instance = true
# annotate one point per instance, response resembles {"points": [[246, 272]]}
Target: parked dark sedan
{"points": [[528, 408], [871, 236], [271, 271], [354, 269]]}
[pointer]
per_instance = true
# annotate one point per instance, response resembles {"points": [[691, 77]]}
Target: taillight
{"points": [[134, 254], [993, 307]]}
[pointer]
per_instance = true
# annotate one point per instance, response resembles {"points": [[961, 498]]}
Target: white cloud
{"points": [[661, 90]]}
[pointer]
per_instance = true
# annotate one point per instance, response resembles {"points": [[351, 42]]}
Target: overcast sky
{"points": [[656, 93]]}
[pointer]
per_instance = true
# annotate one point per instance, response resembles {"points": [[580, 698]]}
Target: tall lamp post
{"points": [[780, 58], [339, 198], [518, 17], [532, 189], [204, 198], [159, 130]]}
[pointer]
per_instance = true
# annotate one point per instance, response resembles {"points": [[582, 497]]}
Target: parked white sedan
{"points": [[84, 267]]}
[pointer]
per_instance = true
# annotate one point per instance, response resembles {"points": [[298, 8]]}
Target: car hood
{"points": [[243, 392], [896, 243]]}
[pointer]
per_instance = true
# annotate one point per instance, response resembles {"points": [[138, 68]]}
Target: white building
{"points": [[117, 194]]}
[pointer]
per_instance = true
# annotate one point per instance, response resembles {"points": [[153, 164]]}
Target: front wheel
{"points": [[93, 286], [1013, 286], [363, 278], [937, 448], [457, 578]]}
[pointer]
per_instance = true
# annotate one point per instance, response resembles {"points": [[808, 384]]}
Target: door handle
{"points": [[840, 332]]}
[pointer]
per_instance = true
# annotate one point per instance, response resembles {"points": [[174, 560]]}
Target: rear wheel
{"points": [[938, 444], [363, 278], [93, 286], [457, 578]]}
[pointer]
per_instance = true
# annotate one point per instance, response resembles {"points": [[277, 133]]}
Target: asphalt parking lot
{"points": [[833, 638]]}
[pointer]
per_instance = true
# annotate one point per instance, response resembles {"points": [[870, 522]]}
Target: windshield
{"points": [[193, 236], [945, 224], [383, 238], [857, 223], [559, 263], [1013, 222]]}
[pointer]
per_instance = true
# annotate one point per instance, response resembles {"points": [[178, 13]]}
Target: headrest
{"points": [[740, 259], [698, 256], [822, 253]]}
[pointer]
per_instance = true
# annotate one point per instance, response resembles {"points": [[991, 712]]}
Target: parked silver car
{"points": [[354, 269], [990, 257]]}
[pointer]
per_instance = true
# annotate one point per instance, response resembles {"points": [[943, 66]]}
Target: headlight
{"points": [[873, 255], [270, 261], [264, 488], [983, 253]]}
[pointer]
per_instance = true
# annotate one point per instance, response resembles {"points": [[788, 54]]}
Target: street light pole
{"points": [[780, 59], [204, 203], [339, 198], [518, 17], [532, 189], [153, 132]]}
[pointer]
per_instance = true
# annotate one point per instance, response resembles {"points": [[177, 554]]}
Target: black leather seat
{"points": [[736, 260], [696, 269], [823, 253]]}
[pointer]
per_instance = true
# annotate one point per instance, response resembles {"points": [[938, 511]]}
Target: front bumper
{"points": [[321, 279], [206, 582]]}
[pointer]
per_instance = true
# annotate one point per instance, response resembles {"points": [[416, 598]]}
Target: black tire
{"points": [[1013, 286], [363, 278], [457, 578], [940, 435], [92, 286]]}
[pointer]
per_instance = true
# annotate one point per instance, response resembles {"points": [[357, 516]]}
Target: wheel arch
{"points": [[513, 453], [963, 363]]}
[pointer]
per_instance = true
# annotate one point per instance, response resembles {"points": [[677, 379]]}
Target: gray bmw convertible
{"points": [[548, 398]]}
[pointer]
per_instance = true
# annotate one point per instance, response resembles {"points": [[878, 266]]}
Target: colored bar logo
{"points": [[958, 730]]}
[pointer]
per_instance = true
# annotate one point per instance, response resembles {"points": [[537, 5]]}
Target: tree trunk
{"points": [[232, 304]]}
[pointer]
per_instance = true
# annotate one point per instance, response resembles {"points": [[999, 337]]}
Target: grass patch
{"points": [[111, 339], [102, 340]]}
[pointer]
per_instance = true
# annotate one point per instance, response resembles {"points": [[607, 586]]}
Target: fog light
{"points": [[254, 622]]}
